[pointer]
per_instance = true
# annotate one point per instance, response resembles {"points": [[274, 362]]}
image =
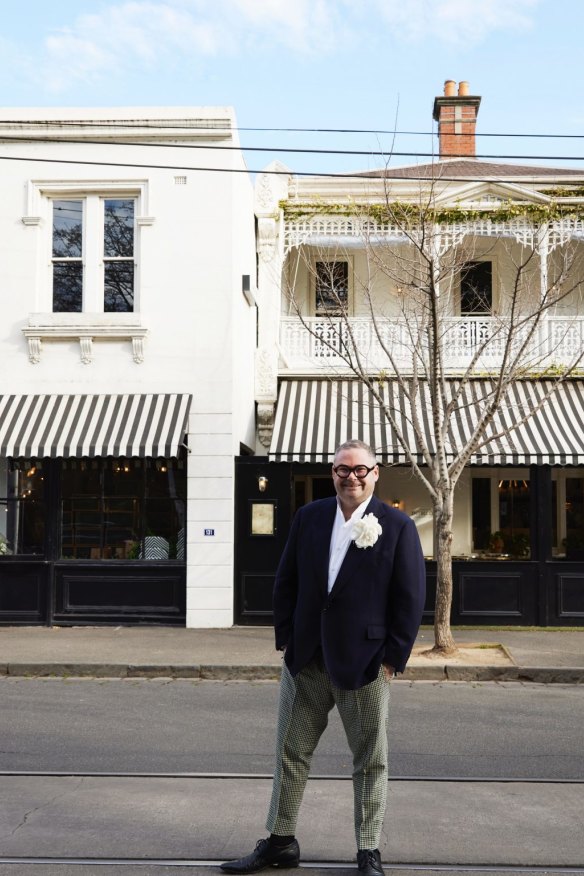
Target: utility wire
{"points": [[362, 175], [279, 149], [82, 123]]}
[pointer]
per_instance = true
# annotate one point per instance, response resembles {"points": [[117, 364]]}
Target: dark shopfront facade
{"points": [[519, 516], [93, 509]]}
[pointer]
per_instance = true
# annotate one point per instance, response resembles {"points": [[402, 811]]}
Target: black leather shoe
{"points": [[265, 855], [369, 862]]}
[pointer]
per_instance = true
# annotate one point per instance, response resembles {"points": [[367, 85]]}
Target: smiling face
{"points": [[353, 490]]}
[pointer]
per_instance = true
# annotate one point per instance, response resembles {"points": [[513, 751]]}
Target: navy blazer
{"points": [[373, 612]]}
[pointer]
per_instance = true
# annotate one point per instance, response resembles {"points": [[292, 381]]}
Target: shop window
{"points": [[574, 540], [501, 517], [555, 516], [22, 509], [514, 516], [120, 509], [481, 513], [476, 289], [93, 254]]}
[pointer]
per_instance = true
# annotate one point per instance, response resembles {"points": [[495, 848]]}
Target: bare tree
{"points": [[423, 268]]}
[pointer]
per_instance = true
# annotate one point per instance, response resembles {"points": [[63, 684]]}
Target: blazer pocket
{"points": [[375, 631]]}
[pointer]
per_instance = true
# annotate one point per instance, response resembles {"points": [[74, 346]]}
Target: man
{"points": [[348, 601]]}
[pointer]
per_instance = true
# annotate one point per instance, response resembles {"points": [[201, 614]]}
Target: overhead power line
{"points": [[359, 175], [369, 153], [81, 123]]}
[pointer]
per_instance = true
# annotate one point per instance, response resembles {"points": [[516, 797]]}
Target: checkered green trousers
{"points": [[305, 702]]}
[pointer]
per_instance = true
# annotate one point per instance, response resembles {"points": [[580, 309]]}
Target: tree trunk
{"points": [[444, 643]]}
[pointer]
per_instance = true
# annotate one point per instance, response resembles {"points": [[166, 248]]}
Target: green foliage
{"points": [[410, 215]]}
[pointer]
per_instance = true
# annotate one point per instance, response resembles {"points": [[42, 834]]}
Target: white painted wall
{"points": [[201, 332]]}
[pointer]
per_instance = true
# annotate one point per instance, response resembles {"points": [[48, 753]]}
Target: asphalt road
{"points": [[140, 726]]}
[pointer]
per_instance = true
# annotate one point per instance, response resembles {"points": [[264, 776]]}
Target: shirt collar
{"points": [[357, 513]]}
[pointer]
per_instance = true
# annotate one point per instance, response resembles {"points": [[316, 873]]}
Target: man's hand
{"points": [[388, 671]]}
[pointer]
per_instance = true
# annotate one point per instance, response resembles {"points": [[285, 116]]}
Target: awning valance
{"points": [[92, 425], [314, 416]]}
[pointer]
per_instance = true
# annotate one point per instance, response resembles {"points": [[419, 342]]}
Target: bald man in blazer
{"points": [[348, 602]]}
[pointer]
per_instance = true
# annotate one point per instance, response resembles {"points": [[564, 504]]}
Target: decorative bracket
{"points": [[86, 344], [41, 329], [265, 423]]}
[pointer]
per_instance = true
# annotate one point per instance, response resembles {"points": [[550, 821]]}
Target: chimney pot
{"points": [[449, 88], [463, 89]]}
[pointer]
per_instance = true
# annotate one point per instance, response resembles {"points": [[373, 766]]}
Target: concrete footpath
{"points": [[247, 653]]}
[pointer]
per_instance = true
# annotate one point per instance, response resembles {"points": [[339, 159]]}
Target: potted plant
{"points": [[496, 542], [4, 549]]}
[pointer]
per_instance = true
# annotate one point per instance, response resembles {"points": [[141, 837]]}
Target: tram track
{"points": [[226, 776], [413, 867], [68, 803]]}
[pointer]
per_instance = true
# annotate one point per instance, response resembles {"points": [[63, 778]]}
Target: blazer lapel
{"points": [[322, 542]]}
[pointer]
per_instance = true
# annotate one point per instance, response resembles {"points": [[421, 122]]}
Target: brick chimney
{"points": [[456, 115]]}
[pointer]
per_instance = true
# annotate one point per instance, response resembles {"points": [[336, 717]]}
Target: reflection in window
{"points": [[574, 542], [332, 288], [67, 256], [123, 509], [23, 510], [476, 289], [93, 254], [118, 251]]}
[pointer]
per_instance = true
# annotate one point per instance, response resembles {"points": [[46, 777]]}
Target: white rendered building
{"points": [[126, 362]]}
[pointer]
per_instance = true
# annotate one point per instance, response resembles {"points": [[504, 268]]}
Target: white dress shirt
{"points": [[341, 538]]}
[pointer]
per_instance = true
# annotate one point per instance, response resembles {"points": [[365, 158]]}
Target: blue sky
{"points": [[359, 64]]}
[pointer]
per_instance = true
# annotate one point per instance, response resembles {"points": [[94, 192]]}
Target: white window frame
{"points": [[93, 322], [313, 276], [92, 256]]}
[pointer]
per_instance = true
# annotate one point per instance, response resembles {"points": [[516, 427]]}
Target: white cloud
{"points": [[124, 36], [145, 36], [455, 21], [146, 33]]}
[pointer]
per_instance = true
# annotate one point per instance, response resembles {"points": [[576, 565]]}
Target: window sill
{"points": [[84, 327]]}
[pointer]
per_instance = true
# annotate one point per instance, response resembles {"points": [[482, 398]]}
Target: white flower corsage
{"points": [[366, 531]]}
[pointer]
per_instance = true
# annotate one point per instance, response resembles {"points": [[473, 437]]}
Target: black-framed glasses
{"points": [[360, 471]]}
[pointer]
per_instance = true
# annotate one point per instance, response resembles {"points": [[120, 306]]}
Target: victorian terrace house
{"points": [[414, 307]]}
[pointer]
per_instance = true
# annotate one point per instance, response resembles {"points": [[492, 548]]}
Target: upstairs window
{"points": [[67, 256], [476, 289], [93, 254], [332, 288]]}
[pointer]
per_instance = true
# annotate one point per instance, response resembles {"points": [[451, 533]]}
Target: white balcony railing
{"points": [[321, 344]]}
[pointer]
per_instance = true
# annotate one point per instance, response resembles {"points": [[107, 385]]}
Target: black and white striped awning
{"points": [[92, 425], [314, 416]]}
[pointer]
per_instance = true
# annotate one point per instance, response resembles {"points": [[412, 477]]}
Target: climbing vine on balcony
{"points": [[410, 215]]}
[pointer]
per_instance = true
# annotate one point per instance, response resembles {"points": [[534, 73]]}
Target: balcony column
{"points": [[271, 187], [543, 248], [543, 244]]}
